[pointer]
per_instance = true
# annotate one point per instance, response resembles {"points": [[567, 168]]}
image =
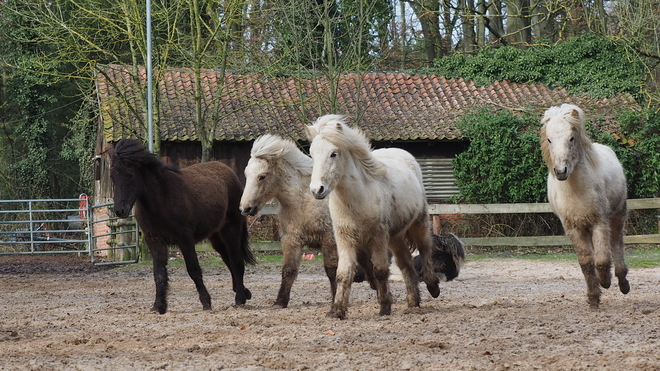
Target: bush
{"points": [[503, 162], [586, 64]]}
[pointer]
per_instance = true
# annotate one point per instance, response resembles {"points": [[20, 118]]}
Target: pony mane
{"points": [[334, 129], [270, 147], [573, 116], [132, 153]]}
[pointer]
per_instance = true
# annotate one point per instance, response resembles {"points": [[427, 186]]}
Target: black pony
{"points": [[182, 207]]}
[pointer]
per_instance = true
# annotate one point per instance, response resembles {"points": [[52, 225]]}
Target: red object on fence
{"points": [[82, 205]]}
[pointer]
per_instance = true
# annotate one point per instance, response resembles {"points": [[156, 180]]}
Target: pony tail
{"points": [[246, 252]]}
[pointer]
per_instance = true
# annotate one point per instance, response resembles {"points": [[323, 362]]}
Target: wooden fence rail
{"points": [[444, 209], [520, 208]]}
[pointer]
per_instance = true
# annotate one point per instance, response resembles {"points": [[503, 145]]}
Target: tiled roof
{"points": [[392, 105]]}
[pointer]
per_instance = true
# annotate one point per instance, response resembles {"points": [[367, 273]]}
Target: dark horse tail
{"points": [[448, 256], [246, 252]]}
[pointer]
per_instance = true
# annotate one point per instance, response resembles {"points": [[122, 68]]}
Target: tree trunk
{"points": [[427, 12]]}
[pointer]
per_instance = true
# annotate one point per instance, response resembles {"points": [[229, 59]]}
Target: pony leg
{"points": [[404, 261], [329, 251], [291, 251], [602, 254], [158, 252], [195, 272], [364, 260], [381, 263], [346, 255], [420, 235], [582, 242], [618, 248], [234, 264]]}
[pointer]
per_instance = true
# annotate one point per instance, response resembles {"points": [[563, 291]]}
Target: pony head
{"points": [[564, 140], [333, 145], [271, 158], [127, 157]]}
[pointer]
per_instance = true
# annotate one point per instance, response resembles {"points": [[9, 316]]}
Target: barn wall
{"points": [[435, 159], [182, 154]]}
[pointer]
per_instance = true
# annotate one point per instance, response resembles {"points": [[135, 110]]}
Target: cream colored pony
{"points": [[587, 191], [277, 169], [376, 201]]}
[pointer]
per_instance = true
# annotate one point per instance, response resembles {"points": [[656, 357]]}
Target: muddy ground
{"points": [[61, 313]]}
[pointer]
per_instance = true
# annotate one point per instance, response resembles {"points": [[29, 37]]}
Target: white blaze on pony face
{"points": [[258, 186], [326, 157], [562, 141]]}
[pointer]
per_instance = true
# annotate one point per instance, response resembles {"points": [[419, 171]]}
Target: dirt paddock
{"points": [[62, 313]]}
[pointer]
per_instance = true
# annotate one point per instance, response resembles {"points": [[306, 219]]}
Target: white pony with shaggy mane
{"points": [[376, 201], [587, 191], [277, 169]]}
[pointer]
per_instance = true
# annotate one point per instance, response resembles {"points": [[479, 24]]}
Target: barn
{"points": [[411, 111]]}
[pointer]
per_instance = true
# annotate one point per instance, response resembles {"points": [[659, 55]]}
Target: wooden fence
{"points": [[436, 210], [444, 209]]}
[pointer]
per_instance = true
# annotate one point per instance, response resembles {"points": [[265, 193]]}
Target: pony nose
{"points": [[319, 192], [121, 211], [248, 210], [561, 174]]}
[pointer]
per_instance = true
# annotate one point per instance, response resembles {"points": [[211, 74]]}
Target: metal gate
{"points": [[52, 226], [66, 226], [114, 240]]}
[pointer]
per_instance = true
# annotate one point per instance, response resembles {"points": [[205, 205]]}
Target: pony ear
{"points": [[311, 132], [339, 126], [575, 113]]}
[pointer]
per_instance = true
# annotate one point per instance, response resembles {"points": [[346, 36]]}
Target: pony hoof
{"points": [[334, 313], [160, 310], [624, 286], [206, 307], [385, 311], [248, 294], [434, 290], [278, 306]]}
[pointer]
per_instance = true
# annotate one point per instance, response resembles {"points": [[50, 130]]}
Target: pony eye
{"points": [[572, 139], [262, 177], [333, 154], [549, 141]]}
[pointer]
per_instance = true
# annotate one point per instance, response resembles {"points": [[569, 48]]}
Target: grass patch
{"points": [[642, 257]]}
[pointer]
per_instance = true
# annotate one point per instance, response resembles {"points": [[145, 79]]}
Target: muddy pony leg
{"points": [[618, 248], [419, 235], [381, 262], [330, 262], [158, 251], [346, 255], [291, 251], [404, 262], [602, 254], [581, 240], [364, 260], [195, 272], [234, 263]]}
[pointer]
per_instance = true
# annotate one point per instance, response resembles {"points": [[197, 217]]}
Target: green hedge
{"points": [[503, 161]]}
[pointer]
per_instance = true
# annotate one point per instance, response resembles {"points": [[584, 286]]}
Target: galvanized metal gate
{"points": [[52, 226], [67, 226], [114, 240]]}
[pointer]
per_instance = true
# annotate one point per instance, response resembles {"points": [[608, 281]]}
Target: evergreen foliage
{"points": [[583, 64], [638, 149], [503, 162]]}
